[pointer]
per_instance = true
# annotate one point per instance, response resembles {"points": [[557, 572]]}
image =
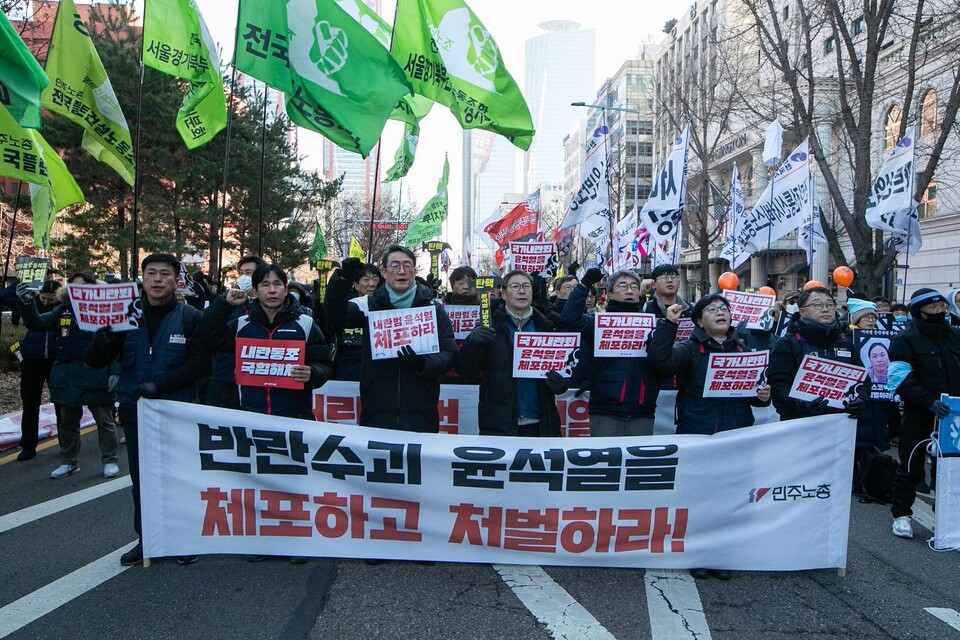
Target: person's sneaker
{"points": [[65, 470], [700, 573], [132, 557], [187, 559], [299, 560], [123, 438], [111, 470], [902, 527], [256, 558], [27, 454], [721, 574]]}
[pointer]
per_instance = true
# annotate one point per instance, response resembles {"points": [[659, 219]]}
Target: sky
{"points": [[621, 25]]}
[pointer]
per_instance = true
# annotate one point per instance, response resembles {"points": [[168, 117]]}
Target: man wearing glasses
{"points": [[623, 391], [398, 393], [666, 292], [925, 363]]}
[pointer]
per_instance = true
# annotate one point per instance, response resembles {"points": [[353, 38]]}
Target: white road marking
{"points": [[34, 606], [673, 603], [556, 609], [923, 514], [949, 616], [50, 507]]}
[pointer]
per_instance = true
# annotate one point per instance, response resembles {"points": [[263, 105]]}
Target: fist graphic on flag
{"points": [[483, 53], [329, 51]]}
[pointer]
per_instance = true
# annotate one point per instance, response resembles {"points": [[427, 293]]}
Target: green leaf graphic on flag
{"points": [[430, 221], [319, 245], [176, 42], [81, 92], [25, 155], [403, 159], [338, 79], [450, 57], [22, 80]]}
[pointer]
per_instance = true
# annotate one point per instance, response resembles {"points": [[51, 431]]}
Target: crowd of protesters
{"points": [[183, 349]]}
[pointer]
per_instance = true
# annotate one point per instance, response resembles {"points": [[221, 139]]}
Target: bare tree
{"points": [[351, 218]]}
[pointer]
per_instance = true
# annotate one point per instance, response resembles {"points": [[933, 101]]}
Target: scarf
{"points": [[402, 300], [519, 320]]}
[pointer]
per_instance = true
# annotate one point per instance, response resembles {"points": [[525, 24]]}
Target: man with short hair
{"points": [[397, 393], [162, 358], [463, 287], [666, 292], [562, 289]]}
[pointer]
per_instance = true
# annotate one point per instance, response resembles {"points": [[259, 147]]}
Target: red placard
{"points": [[268, 363]]}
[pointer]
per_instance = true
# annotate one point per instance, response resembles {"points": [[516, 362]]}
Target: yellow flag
{"points": [[356, 251]]}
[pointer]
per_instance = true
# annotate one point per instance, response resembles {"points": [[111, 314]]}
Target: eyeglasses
{"points": [[627, 286], [717, 310], [520, 286], [668, 278], [400, 266], [821, 306]]}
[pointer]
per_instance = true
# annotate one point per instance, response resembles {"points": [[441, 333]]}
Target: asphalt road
{"points": [[60, 577]]}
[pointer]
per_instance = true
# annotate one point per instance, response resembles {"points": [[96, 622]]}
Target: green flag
{"points": [[450, 57], [319, 245], [338, 79], [25, 155], [430, 221], [176, 42], [21, 77], [403, 159], [81, 92]]}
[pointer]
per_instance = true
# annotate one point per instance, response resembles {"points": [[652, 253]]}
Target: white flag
{"points": [[663, 210], [627, 257], [593, 196], [811, 230], [773, 144], [781, 207], [735, 219], [891, 206]]}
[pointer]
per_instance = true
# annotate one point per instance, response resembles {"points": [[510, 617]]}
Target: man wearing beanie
{"points": [[928, 350]]}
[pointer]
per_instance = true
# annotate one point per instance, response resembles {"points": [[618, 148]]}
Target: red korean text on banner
{"points": [[822, 378], [393, 329], [618, 335], [105, 305], [463, 317], [684, 330], [268, 363], [755, 308], [534, 354], [735, 375], [532, 257]]}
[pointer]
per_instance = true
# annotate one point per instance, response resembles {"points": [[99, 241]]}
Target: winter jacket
{"points": [[38, 344], [656, 306], [621, 387], [933, 352], [689, 361], [290, 324], [392, 395], [498, 412], [222, 362]]}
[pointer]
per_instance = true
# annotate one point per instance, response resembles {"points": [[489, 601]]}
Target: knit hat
{"points": [[952, 301], [923, 297], [860, 308]]}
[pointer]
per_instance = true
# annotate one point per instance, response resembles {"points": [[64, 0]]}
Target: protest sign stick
{"points": [[13, 228], [773, 180], [226, 169], [263, 169], [484, 287], [323, 268]]}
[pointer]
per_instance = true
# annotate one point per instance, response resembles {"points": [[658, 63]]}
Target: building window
{"points": [[786, 12], [928, 115], [892, 127], [858, 26], [830, 44], [928, 203]]}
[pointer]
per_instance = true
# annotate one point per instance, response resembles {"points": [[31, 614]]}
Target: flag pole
{"points": [[373, 202], [13, 228], [136, 169], [773, 180], [226, 172], [263, 164]]}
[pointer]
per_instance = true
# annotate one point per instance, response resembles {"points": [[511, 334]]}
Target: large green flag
{"points": [[430, 221], [25, 155], [81, 92], [176, 42], [338, 79], [319, 245], [21, 77], [450, 57], [403, 159]]}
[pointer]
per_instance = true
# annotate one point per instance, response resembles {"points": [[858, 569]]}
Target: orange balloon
{"points": [[843, 276], [811, 284], [769, 291], [728, 281]]}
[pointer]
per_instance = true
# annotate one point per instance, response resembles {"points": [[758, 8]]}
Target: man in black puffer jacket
{"points": [[510, 406], [398, 393]]}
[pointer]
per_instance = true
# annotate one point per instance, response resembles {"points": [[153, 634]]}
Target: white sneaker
{"points": [[111, 470], [64, 470], [902, 528]]}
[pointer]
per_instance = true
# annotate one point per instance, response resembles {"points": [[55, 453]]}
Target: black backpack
{"points": [[874, 479]]}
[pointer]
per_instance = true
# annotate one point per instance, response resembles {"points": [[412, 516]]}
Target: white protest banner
{"points": [[32, 271], [684, 330], [268, 363], [755, 308], [890, 206], [463, 317], [535, 353], [822, 378], [618, 335], [946, 535], [811, 231], [593, 195], [663, 209], [105, 305], [183, 286], [627, 256], [395, 328], [735, 217], [532, 257], [217, 481], [735, 375]]}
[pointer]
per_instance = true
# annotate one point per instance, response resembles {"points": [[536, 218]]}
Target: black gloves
{"points": [[584, 388], [411, 359], [556, 382], [24, 293], [482, 335], [105, 338], [148, 390], [855, 407], [352, 269], [816, 407], [573, 268], [432, 281], [940, 408], [592, 277]]}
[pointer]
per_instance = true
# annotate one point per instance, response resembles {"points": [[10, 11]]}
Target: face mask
{"points": [[899, 317], [936, 318], [296, 296], [792, 309], [245, 283]]}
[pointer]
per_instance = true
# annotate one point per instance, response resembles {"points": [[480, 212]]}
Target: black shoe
{"points": [[27, 454], [424, 563], [132, 557], [374, 561], [187, 559], [721, 574], [256, 558], [299, 560], [922, 487], [702, 574]]}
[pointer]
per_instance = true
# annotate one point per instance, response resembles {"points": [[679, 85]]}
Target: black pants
{"points": [[128, 420], [914, 429], [33, 375], [223, 394]]}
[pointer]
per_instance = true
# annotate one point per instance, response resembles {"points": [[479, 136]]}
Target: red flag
{"points": [[522, 223]]}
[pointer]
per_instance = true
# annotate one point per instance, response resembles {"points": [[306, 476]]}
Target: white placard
{"points": [[735, 375], [532, 257], [755, 308], [395, 328], [622, 335], [536, 353], [463, 317], [100, 305], [822, 378]]}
